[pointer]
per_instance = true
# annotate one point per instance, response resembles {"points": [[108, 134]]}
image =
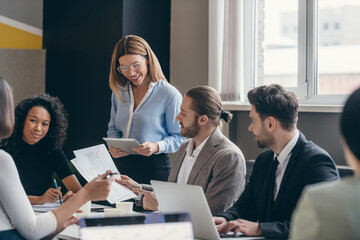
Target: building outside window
{"points": [[309, 47]]}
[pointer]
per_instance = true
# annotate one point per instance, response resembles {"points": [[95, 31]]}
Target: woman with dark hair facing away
{"points": [[332, 210], [36, 146], [17, 218], [144, 107]]}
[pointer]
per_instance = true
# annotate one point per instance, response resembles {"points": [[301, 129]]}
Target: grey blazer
{"points": [[219, 169], [328, 211]]}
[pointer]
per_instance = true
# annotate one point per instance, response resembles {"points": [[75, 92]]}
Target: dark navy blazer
{"points": [[308, 164]]}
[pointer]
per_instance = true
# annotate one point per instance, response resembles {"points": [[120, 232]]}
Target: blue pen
{"points": [[57, 188]]}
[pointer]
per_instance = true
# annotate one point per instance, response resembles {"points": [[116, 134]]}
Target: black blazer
{"points": [[308, 164]]}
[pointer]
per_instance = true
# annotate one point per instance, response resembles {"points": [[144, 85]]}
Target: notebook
{"points": [[189, 198], [143, 227]]}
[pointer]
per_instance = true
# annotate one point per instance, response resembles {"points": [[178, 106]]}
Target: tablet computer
{"points": [[124, 144]]}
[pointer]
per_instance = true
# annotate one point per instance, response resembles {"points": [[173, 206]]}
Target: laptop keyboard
{"points": [[231, 235]]}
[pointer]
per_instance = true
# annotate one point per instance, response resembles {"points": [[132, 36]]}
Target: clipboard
{"points": [[124, 144]]}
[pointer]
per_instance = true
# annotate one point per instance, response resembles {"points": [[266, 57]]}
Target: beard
{"points": [[264, 139], [190, 132]]}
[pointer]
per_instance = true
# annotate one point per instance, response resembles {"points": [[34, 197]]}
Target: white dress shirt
{"points": [[283, 159], [189, 160]]}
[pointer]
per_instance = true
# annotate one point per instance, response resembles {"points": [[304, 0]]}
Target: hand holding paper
{"points": [[92, 161]]}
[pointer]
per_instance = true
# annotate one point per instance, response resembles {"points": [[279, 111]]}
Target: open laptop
{"points": [[141, 227], [189, 198]]}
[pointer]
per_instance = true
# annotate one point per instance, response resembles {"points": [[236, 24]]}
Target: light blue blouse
{"points": [[153, 120]]}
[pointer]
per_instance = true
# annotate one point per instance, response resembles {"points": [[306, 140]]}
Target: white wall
{"points": [[189, 43]]}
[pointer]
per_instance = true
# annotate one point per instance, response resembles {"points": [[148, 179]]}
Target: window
{"points": [[295, 29], [325, 26], [285, 29], [311, 47], [318, 63], [276, 55], [338, 64]]}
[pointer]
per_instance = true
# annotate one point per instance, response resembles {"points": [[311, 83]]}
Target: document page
{"points": [[51, 206], [92, 161], [46, 207]]}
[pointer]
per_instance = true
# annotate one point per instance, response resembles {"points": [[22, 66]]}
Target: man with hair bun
{"points": [[207, 158], [281, 172]]}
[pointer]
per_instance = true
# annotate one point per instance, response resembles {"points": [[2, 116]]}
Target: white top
{"points": [[131, 108], [189, 160], [15, 208], [283, 159]]}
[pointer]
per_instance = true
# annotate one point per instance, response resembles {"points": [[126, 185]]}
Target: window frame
{"points": [[308, 76]]}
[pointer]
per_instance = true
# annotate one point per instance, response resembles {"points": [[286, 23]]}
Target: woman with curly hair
{"points": [[17, 219], [36, 146]]}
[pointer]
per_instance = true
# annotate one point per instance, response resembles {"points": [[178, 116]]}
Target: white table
{"points": [[72, 231]]}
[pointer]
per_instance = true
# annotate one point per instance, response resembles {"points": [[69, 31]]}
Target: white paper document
{"points": [[92, 161], [51, 206], [46, 207]]}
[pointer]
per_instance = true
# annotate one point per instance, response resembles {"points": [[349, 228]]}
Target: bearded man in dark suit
{"points": [[280, 173]]}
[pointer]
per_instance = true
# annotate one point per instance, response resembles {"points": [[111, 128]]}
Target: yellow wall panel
{"points": [[11, 37]]}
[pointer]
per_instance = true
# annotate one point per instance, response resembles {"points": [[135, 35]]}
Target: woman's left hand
{"points": [[147, 148]]}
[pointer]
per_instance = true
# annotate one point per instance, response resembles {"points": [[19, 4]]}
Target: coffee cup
{"points": [[84, 210], [126, 207], [113, 212]]}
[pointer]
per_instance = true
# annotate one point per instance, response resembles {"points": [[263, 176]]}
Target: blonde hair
{"points": [[6, 109], [135, 45]]}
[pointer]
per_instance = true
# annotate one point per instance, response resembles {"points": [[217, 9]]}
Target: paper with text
{"points": [[46, 207], [92, 161]]}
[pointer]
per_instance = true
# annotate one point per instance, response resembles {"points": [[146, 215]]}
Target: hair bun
{"points": [[224, 114]]}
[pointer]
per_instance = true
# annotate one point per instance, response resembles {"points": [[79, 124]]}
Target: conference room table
{"points": [[72, 231]]}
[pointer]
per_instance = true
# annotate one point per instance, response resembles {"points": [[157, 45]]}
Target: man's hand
{"points": [[51, 195], [116, 152], [147, 148], [149, 201], [127, 182], [220, 223], [248, 228]]}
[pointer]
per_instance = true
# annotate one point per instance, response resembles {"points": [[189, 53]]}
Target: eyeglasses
{"points": [[124, 69]]}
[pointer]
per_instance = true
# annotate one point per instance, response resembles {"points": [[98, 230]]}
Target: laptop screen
{"points": [[145, 227]]}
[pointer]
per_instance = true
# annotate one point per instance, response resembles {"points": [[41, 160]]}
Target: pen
{"points": [[57, 188], [111, 174]]}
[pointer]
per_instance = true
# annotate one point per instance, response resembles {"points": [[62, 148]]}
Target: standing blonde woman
{"points": [[144, 107]]}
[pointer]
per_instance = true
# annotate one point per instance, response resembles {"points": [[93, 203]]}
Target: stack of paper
{"points": [[46, 207], [92, 161]]}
